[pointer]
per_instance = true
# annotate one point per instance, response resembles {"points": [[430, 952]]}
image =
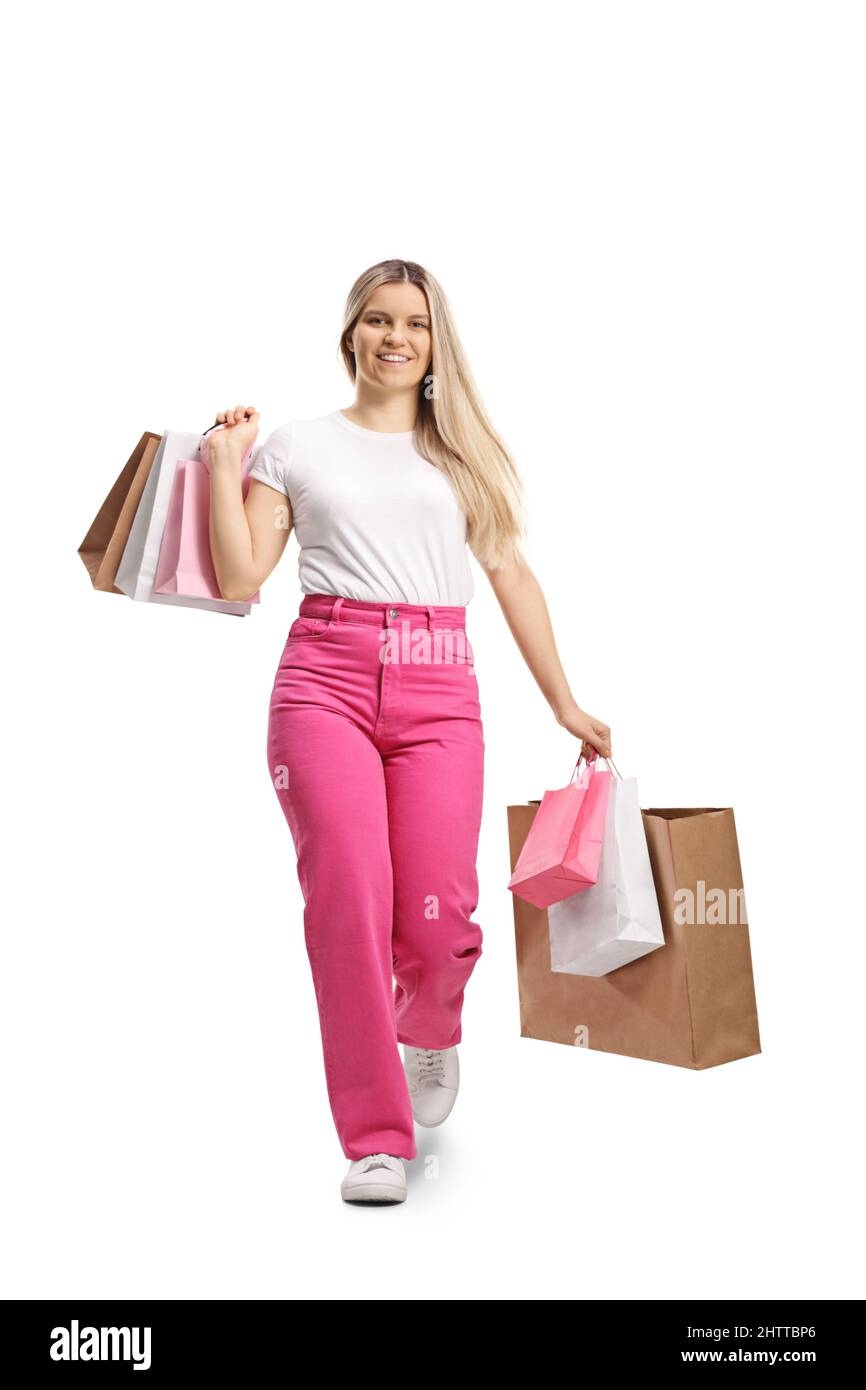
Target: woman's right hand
{"points": [[240, 429], [593, 733]]}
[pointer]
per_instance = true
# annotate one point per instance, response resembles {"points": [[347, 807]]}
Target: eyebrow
{"points": [[385, 315]]}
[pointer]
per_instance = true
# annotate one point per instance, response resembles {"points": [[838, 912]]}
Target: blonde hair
{"points": [[452, 430]]}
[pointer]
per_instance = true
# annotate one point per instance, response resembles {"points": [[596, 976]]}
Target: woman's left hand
{"points": [[594, 733]]}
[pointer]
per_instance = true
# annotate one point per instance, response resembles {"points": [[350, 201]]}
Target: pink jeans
{"points": [[376, 752]]}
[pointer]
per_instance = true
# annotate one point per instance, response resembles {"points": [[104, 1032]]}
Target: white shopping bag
{"points": [[617, 919], [137, 569]]}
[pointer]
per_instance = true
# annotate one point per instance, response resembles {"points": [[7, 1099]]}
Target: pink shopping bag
{"points": [[185, 565], [562, 851]]}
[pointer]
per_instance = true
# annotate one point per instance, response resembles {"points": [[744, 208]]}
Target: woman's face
{"points": [[394, 324]]}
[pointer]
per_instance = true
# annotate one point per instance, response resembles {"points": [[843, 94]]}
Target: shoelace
{"points": [[431, 1065], [375, 1161]]}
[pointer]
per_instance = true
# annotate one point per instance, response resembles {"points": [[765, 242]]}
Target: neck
{"points": [[394, 413]]}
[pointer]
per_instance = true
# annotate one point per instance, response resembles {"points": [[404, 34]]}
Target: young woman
{"points": [[375, 739]]}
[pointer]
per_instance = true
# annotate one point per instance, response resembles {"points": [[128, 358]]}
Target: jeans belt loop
{"points": [[335, 612], [431, 617]]}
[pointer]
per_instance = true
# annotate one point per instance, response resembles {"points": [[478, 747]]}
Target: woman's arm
{"points": [[523, 604], [246, 538]]}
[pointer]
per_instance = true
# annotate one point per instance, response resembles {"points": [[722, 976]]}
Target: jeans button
{"points": [[394, 613]]}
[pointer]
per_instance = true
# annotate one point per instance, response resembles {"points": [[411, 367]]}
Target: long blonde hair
{"points": [[452, 430]]}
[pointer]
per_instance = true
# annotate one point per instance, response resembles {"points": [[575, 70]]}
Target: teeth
{"points": [[392, 357]]}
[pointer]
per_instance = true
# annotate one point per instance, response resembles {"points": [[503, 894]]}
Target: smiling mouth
{"points": [[392, 359]]}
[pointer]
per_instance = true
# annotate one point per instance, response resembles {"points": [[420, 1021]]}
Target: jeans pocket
{"points": [[308, 627]]}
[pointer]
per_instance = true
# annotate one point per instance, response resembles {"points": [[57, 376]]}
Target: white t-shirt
{"points": [[375, 521]]}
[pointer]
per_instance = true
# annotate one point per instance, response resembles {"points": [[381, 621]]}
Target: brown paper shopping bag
{"points": [[103, 546], [690, 1003]]}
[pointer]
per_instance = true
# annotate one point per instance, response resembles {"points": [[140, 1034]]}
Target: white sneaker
{"points": [[433, 1079], [375, 1178]]}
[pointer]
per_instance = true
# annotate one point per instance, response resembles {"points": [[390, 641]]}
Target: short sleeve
{"points": [[272, 460]]}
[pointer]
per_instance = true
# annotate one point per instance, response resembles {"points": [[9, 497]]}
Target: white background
{"points": [[649, 222]]}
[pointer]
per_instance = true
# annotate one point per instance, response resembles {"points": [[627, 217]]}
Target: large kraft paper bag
{"points": [[103, 546], [691, 1002]]}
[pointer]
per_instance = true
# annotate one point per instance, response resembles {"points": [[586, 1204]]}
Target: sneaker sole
{"points": [[374, 1196]]}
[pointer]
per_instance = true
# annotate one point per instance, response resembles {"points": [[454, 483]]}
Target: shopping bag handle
{"points": [[590, 762], [218, 424]]}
